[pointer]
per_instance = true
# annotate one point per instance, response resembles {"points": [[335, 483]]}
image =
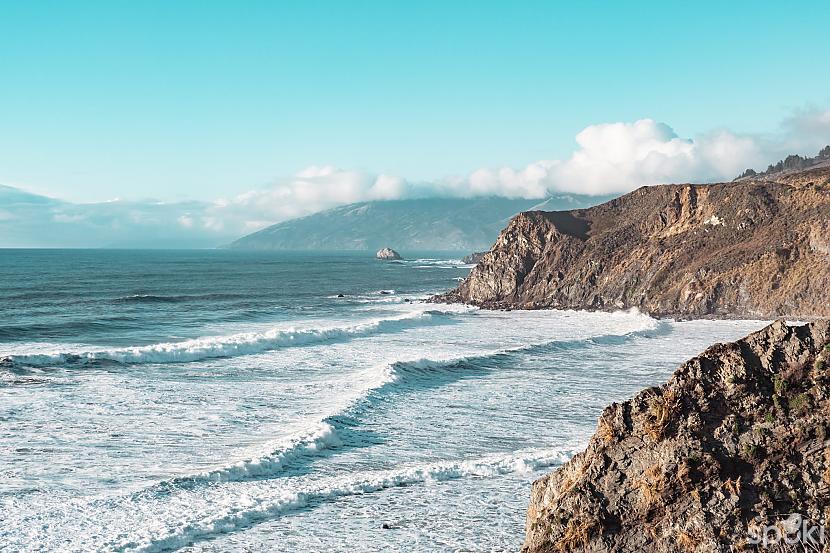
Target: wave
{"points": [[336, 431], [154, 298], [233, 345], [268, 506], [434, 261], [301, 445], [441, 264], [67, 328]]}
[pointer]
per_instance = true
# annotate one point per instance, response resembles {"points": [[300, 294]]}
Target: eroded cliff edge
{"points": [[738, 436], [749, 249]]}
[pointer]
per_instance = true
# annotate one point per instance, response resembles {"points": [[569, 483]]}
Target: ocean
{"points": [[232, 401]]}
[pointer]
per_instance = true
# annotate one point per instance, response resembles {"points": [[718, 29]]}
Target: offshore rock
{"points": [[387, 254]]}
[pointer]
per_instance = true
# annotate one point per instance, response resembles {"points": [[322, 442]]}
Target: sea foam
{"points": [[245, 343]]}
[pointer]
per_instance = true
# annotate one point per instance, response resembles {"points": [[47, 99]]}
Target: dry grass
{"points": [[578, 534], [684, 476], [660, 413], [695, 495], [605, 431], [572, 474], [652, 486], [733, 486], [686, 541]]}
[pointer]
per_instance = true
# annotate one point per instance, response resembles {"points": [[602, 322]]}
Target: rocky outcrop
{"points": [[712, 461], [749, 249], [388, 254], [473, 258]]}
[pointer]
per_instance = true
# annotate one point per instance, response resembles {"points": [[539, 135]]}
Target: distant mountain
{"points": [[437, 224], [30, 220]]}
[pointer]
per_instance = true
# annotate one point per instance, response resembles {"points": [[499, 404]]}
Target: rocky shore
{"points": [[733, 453], [733, 450], [754, 248]]}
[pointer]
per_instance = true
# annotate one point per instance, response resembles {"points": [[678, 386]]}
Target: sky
{"points": [[277, 109]]}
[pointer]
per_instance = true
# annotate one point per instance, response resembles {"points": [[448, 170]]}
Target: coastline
{"points": [[678, 459]]}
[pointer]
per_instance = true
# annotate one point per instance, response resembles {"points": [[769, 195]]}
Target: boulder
{"points": [[388, 254]]}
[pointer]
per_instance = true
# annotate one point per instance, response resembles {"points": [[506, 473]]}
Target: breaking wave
{"points": [[233, 345], [333, 432], [259, 507]]}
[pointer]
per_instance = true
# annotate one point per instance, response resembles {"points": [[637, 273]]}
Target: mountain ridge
{"points": [[429, 224]]}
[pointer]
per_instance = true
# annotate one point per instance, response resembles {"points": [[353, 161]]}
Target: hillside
{"points": [[436, 224], [754, 248]]}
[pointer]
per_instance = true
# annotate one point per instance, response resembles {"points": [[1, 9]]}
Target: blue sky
{"points": [[202, 100]]}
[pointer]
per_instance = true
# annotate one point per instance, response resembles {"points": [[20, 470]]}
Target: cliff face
{"points": [[738, 436], [754, 249]]}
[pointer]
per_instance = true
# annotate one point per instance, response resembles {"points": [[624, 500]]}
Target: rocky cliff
{"points": [[714, 460], [751, 248]]}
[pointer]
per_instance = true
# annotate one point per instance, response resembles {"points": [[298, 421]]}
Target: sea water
{"points": [[228, 401]]}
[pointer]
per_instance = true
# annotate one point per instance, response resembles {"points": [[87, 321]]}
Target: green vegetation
{"points": [[776, 400], [799, 403], [750, 451], [780, 384]]}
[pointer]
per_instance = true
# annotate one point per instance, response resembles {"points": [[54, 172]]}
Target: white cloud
{"points": [[610, 158], [619, 157], [806, 130], [310, 190]]}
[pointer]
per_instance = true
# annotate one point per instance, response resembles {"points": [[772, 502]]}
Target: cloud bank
{"points": [[610, 158]]}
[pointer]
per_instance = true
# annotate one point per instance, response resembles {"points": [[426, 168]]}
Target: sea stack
{"points": [[388, 254]]}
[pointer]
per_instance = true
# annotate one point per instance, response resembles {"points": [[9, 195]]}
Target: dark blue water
{"points": [[124, 297]]}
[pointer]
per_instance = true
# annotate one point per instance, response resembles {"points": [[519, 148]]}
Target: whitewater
{"points": [[217, 401]]}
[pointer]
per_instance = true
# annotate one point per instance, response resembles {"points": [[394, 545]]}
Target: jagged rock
{"points": [[732, 443], [473, 258], [748, 249], [387, 254]]}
